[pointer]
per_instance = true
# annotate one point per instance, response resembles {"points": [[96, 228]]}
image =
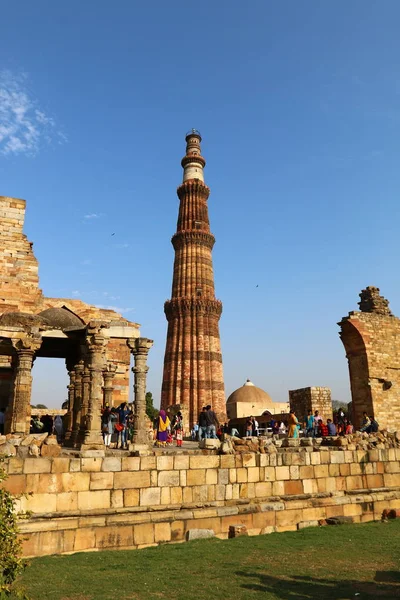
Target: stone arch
{"points": [[357, 357]]}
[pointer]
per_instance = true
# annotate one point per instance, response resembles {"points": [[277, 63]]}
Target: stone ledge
{"points": [[137, 530], [207, 510]]}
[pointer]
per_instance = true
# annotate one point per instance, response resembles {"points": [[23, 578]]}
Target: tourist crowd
{"points": [[117, 424], [314, 425]]}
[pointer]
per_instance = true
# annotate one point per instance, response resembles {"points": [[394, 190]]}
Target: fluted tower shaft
{"points": [[193, 375]]}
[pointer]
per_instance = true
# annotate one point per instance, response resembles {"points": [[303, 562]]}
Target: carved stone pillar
{"points": [[96, 343], [19, 413], [85, 402], [108, 387], [69, 416], [140, 349], [77, 407]]}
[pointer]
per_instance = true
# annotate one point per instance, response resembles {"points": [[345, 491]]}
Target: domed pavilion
{"points": [[252, 400]]}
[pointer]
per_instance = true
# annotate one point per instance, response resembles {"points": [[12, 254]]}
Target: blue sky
{"points": [[299, 107]]}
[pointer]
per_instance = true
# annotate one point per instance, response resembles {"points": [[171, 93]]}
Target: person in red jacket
{"points": [[323, 429]]}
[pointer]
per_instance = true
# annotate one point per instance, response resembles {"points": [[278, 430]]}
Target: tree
{"points": [[40, 406], [151, 412]]}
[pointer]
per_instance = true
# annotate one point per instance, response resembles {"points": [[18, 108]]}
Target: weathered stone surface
{"points": [[199, 534], [311, 398], [50, 450], [371, 338], [290, 443], [306, 442], [237, 530], [34, 450], [305, 524], [38, 437], [111, 463], [7, 450], [339, 520], [50, 440], [209, 444], [216, 497]]}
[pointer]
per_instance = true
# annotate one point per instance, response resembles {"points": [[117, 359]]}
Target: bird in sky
{"points": [[112, 234]]}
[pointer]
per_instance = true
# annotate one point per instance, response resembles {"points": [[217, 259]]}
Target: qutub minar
{"points": [[193, 375]]}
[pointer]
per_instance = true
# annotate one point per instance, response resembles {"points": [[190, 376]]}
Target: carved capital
{"points": [[108, 374], [28, 343], [96, 338], [139, 346]]}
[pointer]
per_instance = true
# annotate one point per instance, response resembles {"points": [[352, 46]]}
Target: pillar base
{"points": [[140, 449], [92, 451]]}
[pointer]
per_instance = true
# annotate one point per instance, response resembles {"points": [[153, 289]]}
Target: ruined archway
{"points": [[356, 354]]}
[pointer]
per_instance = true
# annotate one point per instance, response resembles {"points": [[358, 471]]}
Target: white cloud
{"points": [[24, 126], [75, 293], [93, 216], [122, 245]]}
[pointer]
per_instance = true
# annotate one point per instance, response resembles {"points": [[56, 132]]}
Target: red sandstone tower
{"points": [[193, 374]]}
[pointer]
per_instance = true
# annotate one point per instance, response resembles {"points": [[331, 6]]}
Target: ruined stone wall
{"points": [[371, 338], [19, 279], [132, 502], [119, 355], [6, 380], [311, 398]]}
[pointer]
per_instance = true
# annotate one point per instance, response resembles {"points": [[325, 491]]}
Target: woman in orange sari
{"points": [[293, 422]]}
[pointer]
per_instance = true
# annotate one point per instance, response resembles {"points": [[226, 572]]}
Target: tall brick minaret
{"points": [[193, 374]]}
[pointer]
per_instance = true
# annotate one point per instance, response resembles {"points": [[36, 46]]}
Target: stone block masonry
{"points": [[32, 325], [311, 398], [371, 338], [81, 504], [18, 265]]}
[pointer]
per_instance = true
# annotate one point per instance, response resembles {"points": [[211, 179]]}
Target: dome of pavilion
{"points": [[250, 394], [61, 318]]}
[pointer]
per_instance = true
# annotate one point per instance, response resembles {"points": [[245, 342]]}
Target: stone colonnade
{"points": [[18, 418], [90, 387]]}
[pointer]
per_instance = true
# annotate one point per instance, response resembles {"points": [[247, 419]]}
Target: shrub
{"points": [[11, 561]]}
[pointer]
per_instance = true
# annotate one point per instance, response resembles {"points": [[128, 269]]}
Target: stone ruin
{"points": [[371, 337], [78, 499], [96, 344]]}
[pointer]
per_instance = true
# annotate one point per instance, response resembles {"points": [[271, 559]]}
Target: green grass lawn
{"points": [[341, 562]]}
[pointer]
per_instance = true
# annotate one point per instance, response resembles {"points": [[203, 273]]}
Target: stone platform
{"points": [[82, 503]]}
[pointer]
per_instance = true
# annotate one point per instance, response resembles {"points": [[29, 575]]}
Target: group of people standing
{"points": [[166, 429], [252, 427], [117, 420], [208, 424], [314, 425]]}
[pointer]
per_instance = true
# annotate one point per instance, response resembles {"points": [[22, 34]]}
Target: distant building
{"points": [[252, 400]]}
